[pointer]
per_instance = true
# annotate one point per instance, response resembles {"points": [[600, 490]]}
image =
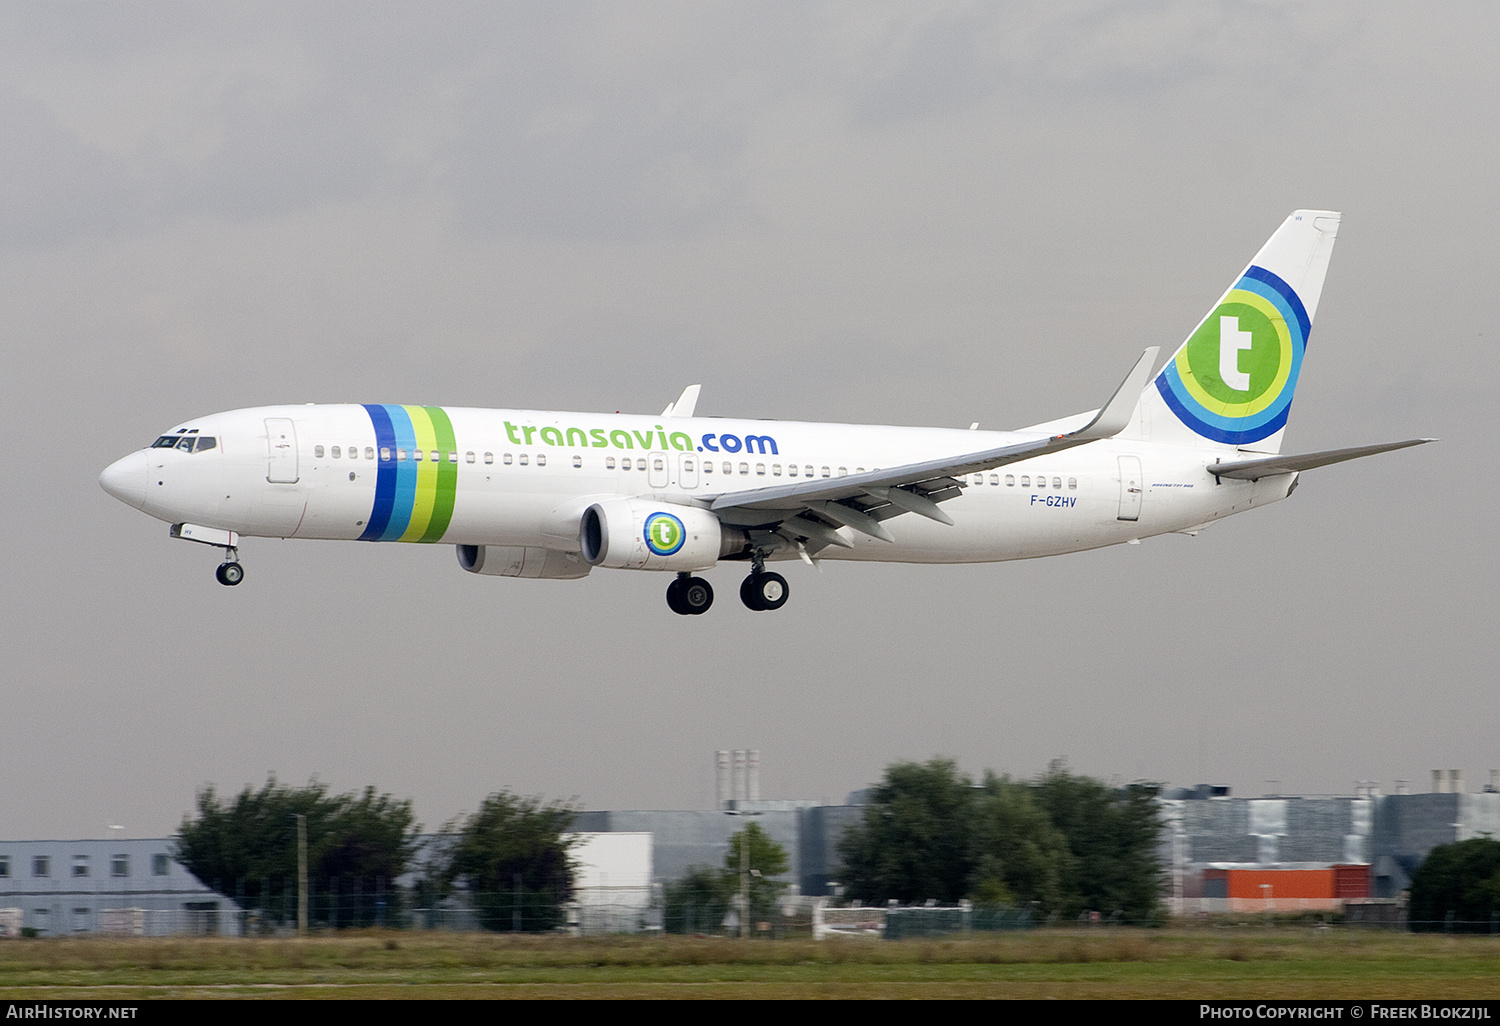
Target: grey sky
{"points": [[928, 213]]}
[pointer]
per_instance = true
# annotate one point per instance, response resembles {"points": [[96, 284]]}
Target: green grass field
{"points": [[1208, 963]]}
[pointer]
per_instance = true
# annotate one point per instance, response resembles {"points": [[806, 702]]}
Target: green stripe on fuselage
{"points": [[447, 475]]}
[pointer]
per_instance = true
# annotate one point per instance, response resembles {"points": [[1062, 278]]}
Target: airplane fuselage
{"points": [[524, 477]]}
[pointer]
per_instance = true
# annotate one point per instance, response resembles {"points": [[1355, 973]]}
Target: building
{"points": [[109, 886]]}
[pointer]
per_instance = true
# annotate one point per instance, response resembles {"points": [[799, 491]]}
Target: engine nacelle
{"points": [[637, 534], [518, 561]]}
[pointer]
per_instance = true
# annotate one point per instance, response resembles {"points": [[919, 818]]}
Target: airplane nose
{"points": [[125, 479]]}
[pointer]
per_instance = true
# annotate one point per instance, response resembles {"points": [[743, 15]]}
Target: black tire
{"points": [[747, 594], [230, 574], [697, 595], [675, 602], [771, 590]]}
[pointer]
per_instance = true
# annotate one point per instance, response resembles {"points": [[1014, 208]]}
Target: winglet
{"points": [[685, 404], [1116, 414]]}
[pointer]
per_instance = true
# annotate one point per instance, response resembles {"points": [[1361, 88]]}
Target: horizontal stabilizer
{"points": [[1253, 470]]}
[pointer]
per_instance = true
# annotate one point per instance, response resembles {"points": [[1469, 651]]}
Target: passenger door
{"points": [[1131, 486], [281, 451]]}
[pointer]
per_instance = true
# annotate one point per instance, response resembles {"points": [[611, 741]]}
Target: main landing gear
{"points": [[688, 595], [763, 591]]}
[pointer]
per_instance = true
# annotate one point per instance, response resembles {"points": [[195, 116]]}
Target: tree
{"points": [[1111, 834], [513, 858], [357, 846], [913, 843], [701, 900], [753, 854], [1019, 857], [1066, 843], [697, 903], [1462, 880]]}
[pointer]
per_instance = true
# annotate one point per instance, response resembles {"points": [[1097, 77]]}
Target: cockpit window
{"points": [[187, 443]]}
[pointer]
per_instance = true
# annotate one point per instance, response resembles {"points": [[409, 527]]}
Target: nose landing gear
{"points": [[230, 573], [689, 596]]}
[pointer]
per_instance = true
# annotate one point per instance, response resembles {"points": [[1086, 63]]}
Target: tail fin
{"points": [[1232, 380]]}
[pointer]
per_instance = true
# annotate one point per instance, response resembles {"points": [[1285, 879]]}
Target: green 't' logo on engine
{"points": [[664, 533]]}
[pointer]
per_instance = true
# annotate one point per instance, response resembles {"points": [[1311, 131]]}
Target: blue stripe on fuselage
{"points": [[405, 496], [385, 473]]}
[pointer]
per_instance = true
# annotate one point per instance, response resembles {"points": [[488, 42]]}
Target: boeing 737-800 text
{"points": [[529, 493]]}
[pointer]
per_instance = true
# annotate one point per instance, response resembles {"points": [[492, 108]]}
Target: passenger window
{"points": [[744, 468], [1072, 482], [507, 459], [1025, 480], [317, 452], [791, 471], [825, 472], [577, 461], [809, 470], [453, 458], [489, 458], [760, 469], [994, 480], [1057, 482], [658, 464], [859, 470], [729, 468], [609, 463], [523, 459], [1041, 482], [385, 454], [416, 454], [335, 452], [1010, 480], [708, 466], [541, 459], [776, 470], [369, 452], [687, 466], [843, 472], [469, 456]]}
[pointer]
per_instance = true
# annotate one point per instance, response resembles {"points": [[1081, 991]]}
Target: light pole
{"points": [[116, 830], [744, 872]]}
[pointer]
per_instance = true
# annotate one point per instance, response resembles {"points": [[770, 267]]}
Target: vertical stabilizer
{"points": [[1232, 381]]}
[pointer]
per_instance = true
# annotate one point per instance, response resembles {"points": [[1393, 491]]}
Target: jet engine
{"points": [[522, 561], [637, 534]]}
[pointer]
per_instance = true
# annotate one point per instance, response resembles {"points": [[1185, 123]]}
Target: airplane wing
{"points": [[815, 511], [1270, 466]]}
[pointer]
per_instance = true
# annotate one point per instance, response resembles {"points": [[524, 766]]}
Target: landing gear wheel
{"points": [[689, 596], [764, 591], [230, 574], [697, 595]]}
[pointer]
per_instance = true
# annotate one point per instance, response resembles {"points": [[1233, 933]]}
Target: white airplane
{"points": [[542, 494]]}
